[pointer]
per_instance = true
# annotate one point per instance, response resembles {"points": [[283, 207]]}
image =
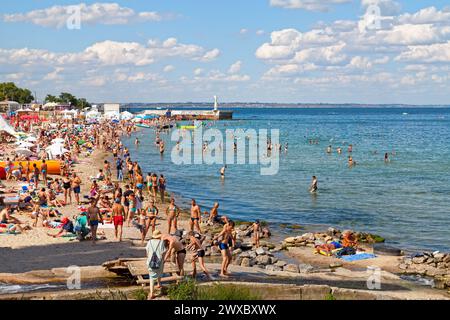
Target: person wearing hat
{"points": [[156, 249], [80, 226]]}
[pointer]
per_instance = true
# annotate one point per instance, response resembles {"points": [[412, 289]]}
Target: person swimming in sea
{"points": [[351, 163], [329, 149], [222, 171], [313, 187], [386, 158]]}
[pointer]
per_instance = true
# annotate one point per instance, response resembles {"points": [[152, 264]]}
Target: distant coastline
{"points": [[265, 105]]}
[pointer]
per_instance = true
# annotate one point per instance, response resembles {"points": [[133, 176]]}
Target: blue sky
{"points": [[253, 50]]}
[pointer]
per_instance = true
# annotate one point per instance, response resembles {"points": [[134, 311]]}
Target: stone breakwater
{"points": [[312, 239], [435, 265]]}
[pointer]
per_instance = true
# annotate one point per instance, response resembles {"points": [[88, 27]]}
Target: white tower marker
{"points": [[216, 104]]}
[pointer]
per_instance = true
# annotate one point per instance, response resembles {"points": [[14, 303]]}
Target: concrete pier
{"points": [[193, 114]]}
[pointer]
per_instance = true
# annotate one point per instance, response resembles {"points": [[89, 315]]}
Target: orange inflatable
{"points": [[53, 166]]}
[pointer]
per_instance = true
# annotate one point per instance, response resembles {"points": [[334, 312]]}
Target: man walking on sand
{"points": [[76, 187], [118, 214], [94, 217]]}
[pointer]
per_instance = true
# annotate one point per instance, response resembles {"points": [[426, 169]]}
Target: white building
{"points": [[111, 107]]}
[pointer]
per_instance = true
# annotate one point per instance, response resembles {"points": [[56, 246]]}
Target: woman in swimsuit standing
{"points": [[148, 182], [162, 187], [172, 212], [44, 172], [154, 185], [152, 212], [67, 183]]}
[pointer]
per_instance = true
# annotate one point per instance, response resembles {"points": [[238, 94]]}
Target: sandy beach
{"points": [[34, 257]]}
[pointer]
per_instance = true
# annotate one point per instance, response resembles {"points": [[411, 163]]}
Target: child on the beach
{"points": [[142, 224]]}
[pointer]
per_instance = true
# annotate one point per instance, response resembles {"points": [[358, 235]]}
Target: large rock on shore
{"points": [[291, 268], [264, 260]]}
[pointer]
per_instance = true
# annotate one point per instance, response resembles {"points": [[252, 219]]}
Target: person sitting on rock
{"points": [[349, 239]]}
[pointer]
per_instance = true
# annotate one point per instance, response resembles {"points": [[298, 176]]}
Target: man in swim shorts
{"points": [[195, 217], [118, 214], [94, 217]]}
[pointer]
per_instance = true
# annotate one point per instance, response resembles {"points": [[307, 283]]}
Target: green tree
{"points": [[82, 103], [9, 90], [66, 97]]}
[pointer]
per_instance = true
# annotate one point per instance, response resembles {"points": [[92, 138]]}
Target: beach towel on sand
{"points": [[358, 256]]}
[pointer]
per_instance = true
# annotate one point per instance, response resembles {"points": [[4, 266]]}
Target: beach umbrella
{"points": [[56, 150], [112, 115], [58, 141], [92, 114], [23, 151], [31, 139], [126, 115], [25, 144]]}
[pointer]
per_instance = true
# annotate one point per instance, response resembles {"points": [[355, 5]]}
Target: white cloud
{"points": [[110, 53], [437, 52], [310, 5], [235, 67], [360, 62], [198, 71], [425, 16], [54, 75], [210, 55], [169, 68], [408, 34], [260, 32], [243, 31], [97, 13]]}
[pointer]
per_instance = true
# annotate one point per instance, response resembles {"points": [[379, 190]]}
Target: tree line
{"points": [[9, 91]]}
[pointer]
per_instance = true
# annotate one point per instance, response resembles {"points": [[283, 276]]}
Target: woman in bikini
{"points": [[162, 187], [152, 212], [148, 182], [172, 213], [154, 186]]}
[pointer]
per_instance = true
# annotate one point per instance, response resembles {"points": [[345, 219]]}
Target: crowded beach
{"points": [[72, 180]]}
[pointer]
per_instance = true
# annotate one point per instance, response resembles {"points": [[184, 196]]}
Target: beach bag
{"points": [[155, 261]]}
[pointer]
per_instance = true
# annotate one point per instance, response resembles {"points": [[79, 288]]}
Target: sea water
{"points": [[406, 200]]}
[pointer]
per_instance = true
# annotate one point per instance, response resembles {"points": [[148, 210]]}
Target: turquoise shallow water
{"points": [[407, 201]]}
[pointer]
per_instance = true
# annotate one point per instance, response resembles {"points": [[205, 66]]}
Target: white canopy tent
{"points": [[58, 141], [94, 114], [55, 150], [4, 126], [31, 139], [23, 151], [25, 144], [112, 115], [126, 115]]}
